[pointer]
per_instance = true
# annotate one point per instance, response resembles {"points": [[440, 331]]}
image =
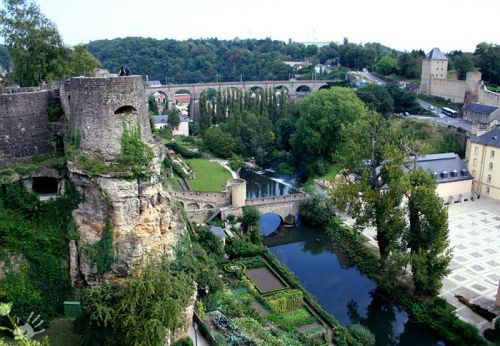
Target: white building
{"points": [[161, 121]]}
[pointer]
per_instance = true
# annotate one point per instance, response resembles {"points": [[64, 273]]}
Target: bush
{"points": [[135, 154], [238, 247], [55, 111], [316, 209], [183, 342], [186, 153], [364, 336]]}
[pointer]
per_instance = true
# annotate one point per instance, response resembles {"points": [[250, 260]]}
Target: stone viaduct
{"points": [[199, 204], [293, 89]]}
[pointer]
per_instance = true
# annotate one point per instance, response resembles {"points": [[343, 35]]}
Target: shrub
{"points": [[237, 247], [135, 154], [54, 111], [183, 342], [186, 153], [362, 334], [102, 254]]}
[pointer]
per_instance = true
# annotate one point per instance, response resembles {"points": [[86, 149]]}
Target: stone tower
{"points": [[434, 66], [143, 223]]}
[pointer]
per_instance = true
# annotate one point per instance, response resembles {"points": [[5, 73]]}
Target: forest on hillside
{"points": [[204, 60]]}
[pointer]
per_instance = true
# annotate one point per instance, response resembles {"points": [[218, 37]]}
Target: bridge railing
{"points": [[244, 83], [275, 199]]}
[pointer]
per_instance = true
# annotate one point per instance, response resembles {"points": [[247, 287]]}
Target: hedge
{"points": [[286, 300]]}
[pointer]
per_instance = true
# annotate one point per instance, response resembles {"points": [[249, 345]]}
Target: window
{"points": [[491, 166], [476, 149], [473, 173], [489, 178], [475, 162], [487, 190], [492, 154]]}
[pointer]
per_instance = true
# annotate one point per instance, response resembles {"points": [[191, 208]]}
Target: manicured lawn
{"points": [[210, 176]]}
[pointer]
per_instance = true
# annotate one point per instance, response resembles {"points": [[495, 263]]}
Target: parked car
{"points": [[431, 107], [406, 114]]}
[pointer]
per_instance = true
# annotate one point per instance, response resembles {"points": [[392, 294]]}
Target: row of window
{"points": [[492, 153], [488, 178], [490, 166]]}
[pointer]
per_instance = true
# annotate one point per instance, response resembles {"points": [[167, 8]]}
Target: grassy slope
{"points": [[210, 176]]}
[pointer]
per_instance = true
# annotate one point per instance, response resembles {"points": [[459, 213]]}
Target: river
{"points": [[327, 273]]}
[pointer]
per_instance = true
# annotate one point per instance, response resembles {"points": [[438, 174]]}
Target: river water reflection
{"points": [[328, 274]]}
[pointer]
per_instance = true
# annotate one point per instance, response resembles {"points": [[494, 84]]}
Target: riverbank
{"points": [[435, 313]]}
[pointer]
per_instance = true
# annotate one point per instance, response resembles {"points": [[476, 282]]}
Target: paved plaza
{"points": [[475, 240], [475, 269]]}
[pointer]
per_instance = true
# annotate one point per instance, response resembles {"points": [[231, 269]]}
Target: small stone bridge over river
{"points": [[201, 205]]}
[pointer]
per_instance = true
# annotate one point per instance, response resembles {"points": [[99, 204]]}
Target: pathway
{"points": [[196, 337], [224, 163]]}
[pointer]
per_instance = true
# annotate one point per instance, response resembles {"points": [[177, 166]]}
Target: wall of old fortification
{"points": [[487, 97], [448, 89], [99, 107], [23, 125]]}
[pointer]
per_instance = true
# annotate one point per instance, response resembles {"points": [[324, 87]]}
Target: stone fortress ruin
{"points": [[95, 112], [434, 81]]}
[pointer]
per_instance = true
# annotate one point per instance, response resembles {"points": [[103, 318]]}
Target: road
{"points": [[439, 118]]}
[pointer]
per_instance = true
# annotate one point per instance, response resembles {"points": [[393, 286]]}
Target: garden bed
{"points": [[264, 279]]}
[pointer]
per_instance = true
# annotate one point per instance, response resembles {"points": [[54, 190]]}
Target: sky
{"points": [[399, 24]]}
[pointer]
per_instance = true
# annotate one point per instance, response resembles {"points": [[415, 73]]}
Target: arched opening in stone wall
{"points": [[125, 109], [193, 206], [281, 87], [161, 100], [324, 87], [45, 186], [303, 90], [210, 93], [269, 223]]}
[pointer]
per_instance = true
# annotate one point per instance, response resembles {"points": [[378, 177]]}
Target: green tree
{"points": [[317, 135], [372, 183], [487, 57], [35, 47], [406, 65], [427, 233], [251, 217], [173, 118], [463, 64], [139, 312], [219, 142], [236, 162], [82, 63], [316, 209], [152, 105], [386, 65], [377, 98]]}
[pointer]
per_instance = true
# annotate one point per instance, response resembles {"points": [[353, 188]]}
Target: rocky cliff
{"points": [[138, 211]]}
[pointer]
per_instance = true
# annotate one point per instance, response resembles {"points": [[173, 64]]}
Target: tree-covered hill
{"points": [[204, 60]]}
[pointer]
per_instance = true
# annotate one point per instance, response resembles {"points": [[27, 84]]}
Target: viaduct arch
{"points": [[294, 89]]}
